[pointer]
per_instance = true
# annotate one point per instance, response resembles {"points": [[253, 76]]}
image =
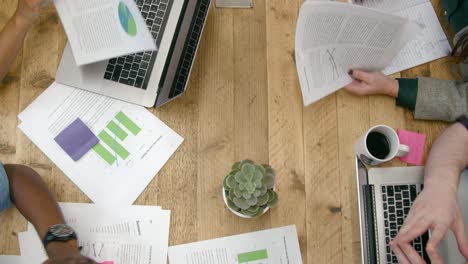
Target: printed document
{"points": [[124, 235], [332, 38], [14, 260], [274, 246], [102, 29], [133, 144], [430, 44]]}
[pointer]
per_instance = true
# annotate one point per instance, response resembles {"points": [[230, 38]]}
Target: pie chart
{"points": [[126, 20]]}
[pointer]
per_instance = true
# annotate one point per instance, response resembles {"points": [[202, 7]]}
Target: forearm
{"points": [[34, 200], [11, 41], [448, 157]]}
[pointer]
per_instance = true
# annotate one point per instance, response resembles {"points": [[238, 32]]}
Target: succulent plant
{"points": [[249, 188]]}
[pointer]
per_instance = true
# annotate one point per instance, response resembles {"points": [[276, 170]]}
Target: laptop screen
{"points": [[366, 215]]}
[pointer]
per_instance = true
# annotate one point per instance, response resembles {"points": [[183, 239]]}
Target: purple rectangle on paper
{"points": [[77, 139]]}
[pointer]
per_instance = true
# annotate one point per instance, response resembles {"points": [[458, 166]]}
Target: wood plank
{"points": [[323, 181], [285, 109], [175, 186], [9, 95], [216, 126], [250, 96], [353, 121]]}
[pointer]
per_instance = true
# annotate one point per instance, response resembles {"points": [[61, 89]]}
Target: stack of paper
{"points": [[333, 38], [274, 246], [430, 44], [133, 144], [119, 235]]}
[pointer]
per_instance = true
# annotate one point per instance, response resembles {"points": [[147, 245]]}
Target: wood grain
{"points": [[243, 101]]}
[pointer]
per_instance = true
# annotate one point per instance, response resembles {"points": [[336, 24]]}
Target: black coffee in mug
{"points": [[378, 145]]}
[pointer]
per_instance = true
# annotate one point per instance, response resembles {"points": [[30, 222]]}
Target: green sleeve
{"points": [[407, 93]]}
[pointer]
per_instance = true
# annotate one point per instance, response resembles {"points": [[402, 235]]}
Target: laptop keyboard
{"points": [[397, 201], [135, 70], [190, 48]]}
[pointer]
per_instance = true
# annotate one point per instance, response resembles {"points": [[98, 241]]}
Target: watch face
{"points": [[61, 230]]}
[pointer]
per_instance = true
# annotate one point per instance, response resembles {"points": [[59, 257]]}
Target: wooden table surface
{"points": [[243, 101]]}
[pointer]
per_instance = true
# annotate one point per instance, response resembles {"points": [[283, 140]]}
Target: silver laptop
{"points": [[149, 78], [385, 198]]}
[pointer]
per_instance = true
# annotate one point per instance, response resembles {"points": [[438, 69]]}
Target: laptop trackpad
{"points": [[448, 247]]}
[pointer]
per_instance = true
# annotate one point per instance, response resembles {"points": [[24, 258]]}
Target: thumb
{"points": [[361, 75], [460, 235]]}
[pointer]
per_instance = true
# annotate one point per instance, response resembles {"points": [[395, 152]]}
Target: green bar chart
{"points": [[111, 145], [253, 256]]}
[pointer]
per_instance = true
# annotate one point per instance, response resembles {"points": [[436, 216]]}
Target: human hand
{"points": [[436, 209], [370, 83], [28, 11]]}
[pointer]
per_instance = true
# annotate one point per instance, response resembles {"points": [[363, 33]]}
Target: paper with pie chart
{"points": [[102, 29]]}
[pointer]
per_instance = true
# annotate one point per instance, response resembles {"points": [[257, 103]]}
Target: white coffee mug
{"points": [[395, 148]]}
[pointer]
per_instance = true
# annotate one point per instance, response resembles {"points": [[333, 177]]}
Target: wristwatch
{"points": [[59, 233], [463, 120]]}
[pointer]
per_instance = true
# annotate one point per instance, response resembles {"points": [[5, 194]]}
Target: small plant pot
{"points": [[239, 214]]}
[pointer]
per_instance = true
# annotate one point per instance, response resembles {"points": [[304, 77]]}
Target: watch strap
{"points": [[50, 237]]}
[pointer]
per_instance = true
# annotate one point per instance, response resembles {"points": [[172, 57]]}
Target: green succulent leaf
{"points": [[247, 161], [236, 166], [269, 169], [252, 201], [261, 169], [263, 200], [240, 177], [231, 195], [258, 184], [226, 187], [263, 190], [242, 186], [273, 200], [258, 175], [257, 193], [259, 213], [248, 213], [253, 209], [242, 204], [249, 177], [246, 195], [248, 168], [230, 181], [233, 206], [269, 180], [250, 187], [237, 192]]}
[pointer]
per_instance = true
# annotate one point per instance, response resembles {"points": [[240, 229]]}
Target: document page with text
{"points": [[332, 38], [429, 45], [273, 246], [102, 29]]}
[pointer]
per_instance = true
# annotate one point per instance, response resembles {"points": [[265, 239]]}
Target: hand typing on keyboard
{"points": [[437, 207]]}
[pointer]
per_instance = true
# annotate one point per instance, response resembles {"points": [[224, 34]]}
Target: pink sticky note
{"points": [[416, 143]]}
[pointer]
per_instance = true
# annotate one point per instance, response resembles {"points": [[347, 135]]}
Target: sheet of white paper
{"points": [[15, 260], [142, 224], [99, 247], [332, 38], [430, 44], [274, 246], [104, 29], [389, 6], [127, 166]]}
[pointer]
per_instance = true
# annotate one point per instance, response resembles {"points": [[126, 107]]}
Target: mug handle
{"points": [[403, 150]]}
